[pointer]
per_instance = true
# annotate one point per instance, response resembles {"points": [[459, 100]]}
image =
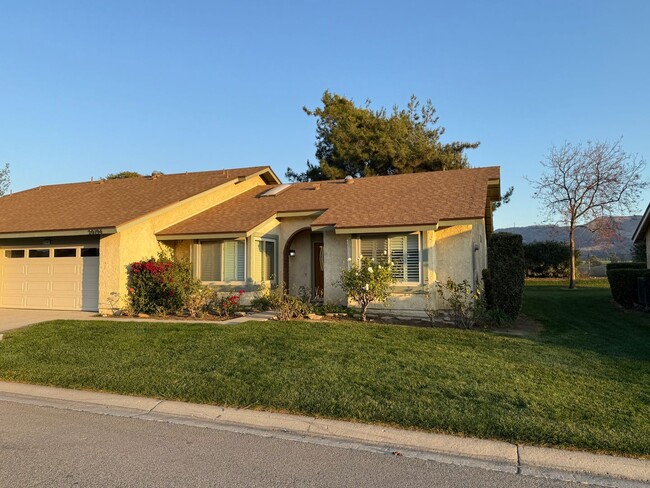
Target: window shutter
{"points": [[233, 260], [265, 266], [210, 261], [397, 257], [374, 248], [412, 259]]}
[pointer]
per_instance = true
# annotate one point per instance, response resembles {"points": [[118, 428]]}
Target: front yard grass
{"points": [[584, 383]]}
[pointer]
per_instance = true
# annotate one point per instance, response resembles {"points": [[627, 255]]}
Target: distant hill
{"points": [[586, 241]]}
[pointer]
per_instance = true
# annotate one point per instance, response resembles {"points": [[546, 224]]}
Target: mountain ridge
{"points": [[588, 242]]}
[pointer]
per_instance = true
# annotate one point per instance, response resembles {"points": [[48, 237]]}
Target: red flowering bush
{"points": [[226, 304], [160, 285]]}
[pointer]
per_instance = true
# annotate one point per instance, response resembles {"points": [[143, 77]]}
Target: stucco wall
{"points": [[137, 240], [458, 252], [453, 250]]}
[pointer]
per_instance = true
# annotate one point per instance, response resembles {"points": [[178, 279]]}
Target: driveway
{"points": [[15, 319]]}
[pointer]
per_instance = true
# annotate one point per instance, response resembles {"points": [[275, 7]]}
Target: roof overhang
{"points": [[186, 237], [639, 233], [384, 230], [60, 233], [451, 223]]}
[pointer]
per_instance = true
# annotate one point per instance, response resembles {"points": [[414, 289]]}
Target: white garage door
{"points": [[56, 278]]}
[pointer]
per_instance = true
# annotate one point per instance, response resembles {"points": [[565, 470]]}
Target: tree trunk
{"points": [[572, 250], [364, 310]]}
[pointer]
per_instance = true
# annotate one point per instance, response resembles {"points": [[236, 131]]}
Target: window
{"points": [[89, 252], [402, 250], [265, 259], [65, 253], [39, 253], [223, 260], [15, 253]]}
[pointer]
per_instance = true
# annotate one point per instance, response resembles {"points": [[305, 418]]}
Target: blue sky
{"points": [[90, 88]]}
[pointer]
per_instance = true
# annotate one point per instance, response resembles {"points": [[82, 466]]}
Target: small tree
{"points": [[367, 282], [588, 183], [4, 179], [122, 175]]}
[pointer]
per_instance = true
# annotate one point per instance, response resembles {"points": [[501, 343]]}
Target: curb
{"points": [[497, 455]]}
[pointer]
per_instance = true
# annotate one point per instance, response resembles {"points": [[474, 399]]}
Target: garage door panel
{"points": [[34, 286], [12, 270], [59, 283], [65, 286], [12, 301], [65, 303], [66, 269], [34, 301], [12, 287], [37, 269]]}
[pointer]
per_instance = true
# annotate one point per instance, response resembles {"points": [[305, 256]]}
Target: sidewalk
{"points": [[503, 456]]}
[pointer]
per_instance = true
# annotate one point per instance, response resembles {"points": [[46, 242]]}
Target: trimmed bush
{"points": [[161, 286], [548, 259], [504, 286], [623, 283], [627, 265]]}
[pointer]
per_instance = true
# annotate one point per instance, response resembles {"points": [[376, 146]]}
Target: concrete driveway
{"points": [[15, 319]]}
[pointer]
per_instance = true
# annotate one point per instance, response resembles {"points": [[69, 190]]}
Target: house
{"points": [[69, 246], [642, 233]]}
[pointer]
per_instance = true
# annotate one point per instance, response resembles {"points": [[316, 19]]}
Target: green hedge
{"points": [[504, 277], [626, 265], [623, 283], [548, 259]]}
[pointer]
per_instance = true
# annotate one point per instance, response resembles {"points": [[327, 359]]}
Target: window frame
{"points": [[257, 255], [199, 256], [387, 238]]}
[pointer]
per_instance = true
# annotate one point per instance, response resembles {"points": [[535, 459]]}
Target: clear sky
{"points": [[90, 88]]}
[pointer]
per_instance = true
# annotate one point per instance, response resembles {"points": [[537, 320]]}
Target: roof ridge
{"points": [[97, 181]]}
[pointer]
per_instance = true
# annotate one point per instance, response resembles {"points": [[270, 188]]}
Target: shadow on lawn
{"points": [[588, 319]]}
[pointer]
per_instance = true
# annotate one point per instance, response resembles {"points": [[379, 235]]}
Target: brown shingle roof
{"points": [[102, 204], [379, 201]]}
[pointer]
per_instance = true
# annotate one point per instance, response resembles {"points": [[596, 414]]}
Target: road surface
{"points": [[41, 446]]}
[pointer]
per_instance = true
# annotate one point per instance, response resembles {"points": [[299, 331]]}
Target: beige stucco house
{"points": [[69, 246], [642, 233]]}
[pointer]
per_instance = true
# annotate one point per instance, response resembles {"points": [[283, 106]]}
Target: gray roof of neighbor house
{"points": [[417, 199], [108, 203]]}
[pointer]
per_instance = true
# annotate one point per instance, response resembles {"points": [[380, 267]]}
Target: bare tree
{"points": [[588, 184], [4, 179]]}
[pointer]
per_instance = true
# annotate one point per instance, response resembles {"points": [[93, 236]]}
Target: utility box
{"points": [[643, 287]]}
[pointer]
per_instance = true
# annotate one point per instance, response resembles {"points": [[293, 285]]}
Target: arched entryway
{"points": [[303, 263]]}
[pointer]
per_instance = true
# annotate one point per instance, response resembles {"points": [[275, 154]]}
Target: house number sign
{"points": [[94, 232]]}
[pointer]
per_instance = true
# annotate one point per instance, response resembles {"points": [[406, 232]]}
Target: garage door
{"points": [[56, 278]]}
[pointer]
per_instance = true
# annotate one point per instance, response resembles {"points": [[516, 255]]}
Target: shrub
{"points": [[504, 277], [367, 282], [225, 304], [623, 283], [548, 259], [464, 304], [161, 285], [198, 303], [626, 265], [287, 307]]}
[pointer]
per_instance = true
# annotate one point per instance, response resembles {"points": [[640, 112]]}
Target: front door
{"points": [[319, 275]]}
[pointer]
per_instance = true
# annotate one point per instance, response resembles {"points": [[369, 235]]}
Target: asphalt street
{"points": [[41, 446]]}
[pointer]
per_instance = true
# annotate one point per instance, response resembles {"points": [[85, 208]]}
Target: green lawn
{"points": [[584, 383]]}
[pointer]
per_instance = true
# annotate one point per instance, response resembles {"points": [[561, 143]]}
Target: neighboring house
{"points": [[69, 246], [642, 233]]}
